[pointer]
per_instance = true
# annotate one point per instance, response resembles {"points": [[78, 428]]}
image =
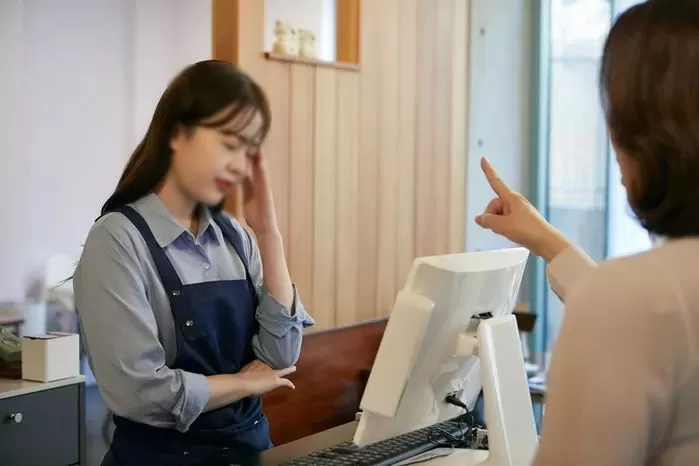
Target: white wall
{"points": [[79, 82], [318, 16], [13, 167], [500, 106]]}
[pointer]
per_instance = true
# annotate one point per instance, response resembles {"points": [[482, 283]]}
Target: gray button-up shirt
{"points": [[127, 323]]}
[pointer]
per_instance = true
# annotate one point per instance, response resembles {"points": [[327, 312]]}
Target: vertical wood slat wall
{"points": [[368, 165]]}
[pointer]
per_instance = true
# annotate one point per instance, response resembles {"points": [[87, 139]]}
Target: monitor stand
{"points": [[512, 437]]}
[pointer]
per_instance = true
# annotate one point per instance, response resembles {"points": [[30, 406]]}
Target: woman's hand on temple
{"points": [[511, 215], [257, 198]]}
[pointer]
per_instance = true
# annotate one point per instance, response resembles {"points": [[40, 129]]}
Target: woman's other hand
{"points": [[256, 378], [257, 198], [259, 378], [511, 215]]}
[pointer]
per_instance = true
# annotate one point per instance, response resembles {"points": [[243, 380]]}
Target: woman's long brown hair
{"points": [[197, 94], [649, 81]]}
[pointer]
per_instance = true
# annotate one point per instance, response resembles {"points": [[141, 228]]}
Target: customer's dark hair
{"points": [[649, 82], [197, 94]]}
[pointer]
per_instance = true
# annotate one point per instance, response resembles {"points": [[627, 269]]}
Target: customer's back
{"points": [[624, 378], [660, 377], [675, 268]]}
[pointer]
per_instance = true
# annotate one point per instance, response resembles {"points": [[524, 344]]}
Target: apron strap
{"points": [[168, 275], [231, 234]]}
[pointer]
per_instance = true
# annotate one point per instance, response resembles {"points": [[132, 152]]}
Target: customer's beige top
{"points": [[623, 386]]}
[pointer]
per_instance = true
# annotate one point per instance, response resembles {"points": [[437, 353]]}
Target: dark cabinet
{"points": [[43, 428]]}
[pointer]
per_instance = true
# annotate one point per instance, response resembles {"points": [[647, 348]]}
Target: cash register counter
{"points": [[330, 386], [302, 447]]}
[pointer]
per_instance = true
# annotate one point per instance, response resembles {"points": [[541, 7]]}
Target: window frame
{"points": [[540, 163]]}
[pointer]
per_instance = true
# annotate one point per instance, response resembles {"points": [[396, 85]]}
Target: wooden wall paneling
{"points": [[407, 84], [277, 149], [252, 39], [367, 164], [347, 30], [325, 181], [371, 35], [387, 154], [301, 180], [346, 252], [425, 218], [459, 124], [441, 154], [224, 25]]}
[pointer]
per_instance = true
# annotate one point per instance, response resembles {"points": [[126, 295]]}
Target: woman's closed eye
{"points": [[238, 142], [234, 146]]}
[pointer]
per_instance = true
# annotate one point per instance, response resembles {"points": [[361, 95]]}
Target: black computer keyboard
{"points": [[390, 451]]}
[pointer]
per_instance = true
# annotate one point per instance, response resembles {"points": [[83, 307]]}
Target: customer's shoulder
{"points": [[654, 280], [672, 259]]}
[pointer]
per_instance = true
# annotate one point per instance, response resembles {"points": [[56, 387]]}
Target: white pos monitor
{"points": [[453, 316]]}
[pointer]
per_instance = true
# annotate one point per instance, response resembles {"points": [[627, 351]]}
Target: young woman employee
{"points": [[186, 318], [623, 386]]}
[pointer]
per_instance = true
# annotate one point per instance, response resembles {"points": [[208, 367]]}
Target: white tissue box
{"points": [[51, 356]]}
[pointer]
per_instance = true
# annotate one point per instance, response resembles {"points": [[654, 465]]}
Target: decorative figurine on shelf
{"points": [[286, 40], [307, 43]]}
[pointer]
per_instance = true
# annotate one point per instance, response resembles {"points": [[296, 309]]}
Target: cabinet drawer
{"points": [[41, 428]]}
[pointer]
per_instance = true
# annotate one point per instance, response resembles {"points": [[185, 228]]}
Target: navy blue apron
{"points": [[214, 326]]}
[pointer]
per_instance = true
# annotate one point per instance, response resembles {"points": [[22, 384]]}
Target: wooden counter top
{"points": [[12, 387]]}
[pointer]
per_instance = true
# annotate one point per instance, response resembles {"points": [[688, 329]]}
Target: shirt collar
{"points": [[165, 226]]}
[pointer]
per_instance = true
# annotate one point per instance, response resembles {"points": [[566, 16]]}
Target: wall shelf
{"points": [[312, 62]]}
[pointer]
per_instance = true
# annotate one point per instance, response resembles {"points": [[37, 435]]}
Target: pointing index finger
{"points": [[499, 186]]}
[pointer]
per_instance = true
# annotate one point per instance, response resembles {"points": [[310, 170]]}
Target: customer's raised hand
{"points": [[511, 215]]}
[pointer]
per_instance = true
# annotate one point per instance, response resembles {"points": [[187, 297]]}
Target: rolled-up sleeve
{"points": [[121, 336], [278, 341]]}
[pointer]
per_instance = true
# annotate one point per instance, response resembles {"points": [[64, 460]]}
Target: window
{"points": [[583, 195], [577, 140]]}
